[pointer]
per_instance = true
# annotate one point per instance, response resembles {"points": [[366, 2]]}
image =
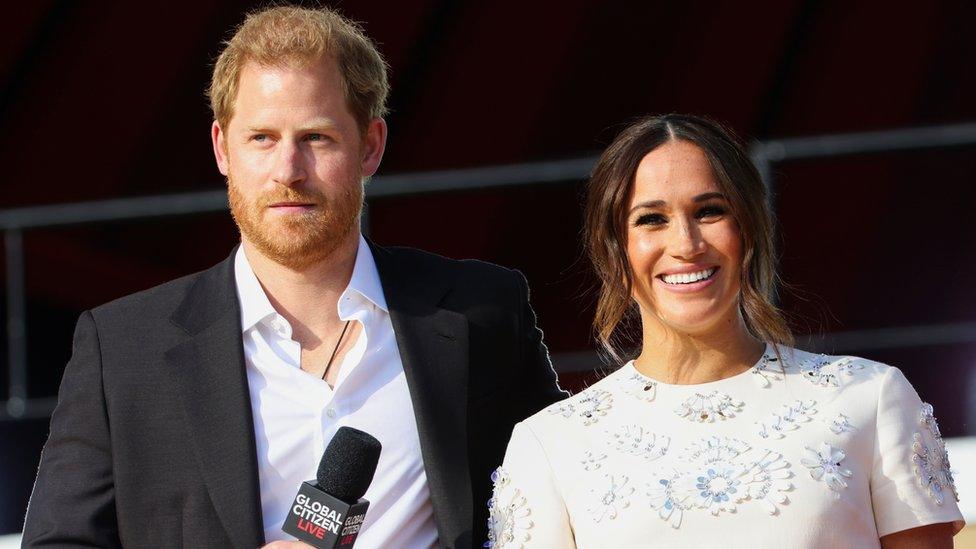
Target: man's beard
{"points": [[297, 241]]}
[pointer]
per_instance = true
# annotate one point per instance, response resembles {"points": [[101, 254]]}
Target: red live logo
{"points": [[307, 526], [347, 540]]}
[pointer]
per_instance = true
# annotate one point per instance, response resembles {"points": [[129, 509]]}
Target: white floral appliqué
{"points": [[848, 366], [639, 386], [719, 479], [824, 464], [840, 424], [591, 461], [509, 519], [931, 461], [634, 440], [788, 418], [608, 502], [705, 408], [816, 372], [589, 406], [766, 481], [767, 370]]}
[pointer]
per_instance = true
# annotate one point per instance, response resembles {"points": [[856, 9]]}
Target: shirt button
{"points": [[331, 413]]}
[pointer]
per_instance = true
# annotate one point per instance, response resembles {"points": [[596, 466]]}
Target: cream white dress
{"points": [[802, 450]]}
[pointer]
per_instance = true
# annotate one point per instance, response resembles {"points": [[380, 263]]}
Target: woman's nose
{"points": [[686, 240]]}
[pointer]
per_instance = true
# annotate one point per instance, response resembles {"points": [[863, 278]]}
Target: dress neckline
{"points": [[768, 361]]}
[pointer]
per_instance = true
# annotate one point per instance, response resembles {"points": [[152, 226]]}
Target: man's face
{"points": [[295, 159]]}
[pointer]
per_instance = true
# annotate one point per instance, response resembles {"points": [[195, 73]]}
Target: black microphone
{"points": [[328, 512]]}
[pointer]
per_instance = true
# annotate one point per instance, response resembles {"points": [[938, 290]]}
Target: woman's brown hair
{"points": [[605, 230]]}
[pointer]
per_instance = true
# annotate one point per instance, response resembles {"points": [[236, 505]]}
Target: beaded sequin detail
{"points": [[824, 465], [720, 478], [589, 406], [636, 441], [509, 520], [707, 407], [840, 424], [788, 418], [592, 461], [609, 501], [767, 370], [931, 461], [815, 371], [639, 386]]}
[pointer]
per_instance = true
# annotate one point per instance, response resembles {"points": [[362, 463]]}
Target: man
{"points": [[190, 413]]}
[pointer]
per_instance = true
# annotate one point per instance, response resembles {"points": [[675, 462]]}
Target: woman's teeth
{"points": [[688, 278]]}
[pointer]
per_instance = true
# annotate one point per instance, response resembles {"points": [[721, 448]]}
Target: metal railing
{"points": [[13, 223]]}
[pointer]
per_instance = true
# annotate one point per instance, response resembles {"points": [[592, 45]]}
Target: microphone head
{"points": [[348, 464]]}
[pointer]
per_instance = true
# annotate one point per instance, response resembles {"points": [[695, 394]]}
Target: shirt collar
{"points": [[255, 306], [365, 278]]}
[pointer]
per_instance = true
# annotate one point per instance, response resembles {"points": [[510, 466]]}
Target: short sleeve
{"points": [[911, 482], [526, 509]]}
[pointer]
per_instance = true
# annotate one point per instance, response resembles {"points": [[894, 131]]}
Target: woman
{"points": [[718, 433]]}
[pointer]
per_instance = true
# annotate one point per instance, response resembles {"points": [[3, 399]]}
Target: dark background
{"points": [[106, 100]]}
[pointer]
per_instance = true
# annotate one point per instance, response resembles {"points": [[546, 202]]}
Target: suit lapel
{"points": [[433, 345], [208, 367]]}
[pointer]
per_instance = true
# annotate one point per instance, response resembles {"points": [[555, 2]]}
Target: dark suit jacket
{"points": [[152, 441]]}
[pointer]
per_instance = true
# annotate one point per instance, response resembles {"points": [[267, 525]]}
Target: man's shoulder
{"points": [[157, 302], [468, 270]]}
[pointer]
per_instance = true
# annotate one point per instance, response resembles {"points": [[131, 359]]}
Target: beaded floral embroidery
{"points": [[705, 408], [635, 441], [639, 386], [509, 521], [768, 479], [767, 370], [591, 461], [931, 462], [815, 371], [590, 406], [840, 424], [719, 479], [787, 419], [608, 502], [848, 366], [824, 464]]}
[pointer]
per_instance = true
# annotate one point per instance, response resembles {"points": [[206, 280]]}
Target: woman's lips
{"points": [[688, 287]]}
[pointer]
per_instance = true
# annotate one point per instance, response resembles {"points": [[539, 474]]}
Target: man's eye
{"points": [[259, 137], [316, 137], [650, 219]]}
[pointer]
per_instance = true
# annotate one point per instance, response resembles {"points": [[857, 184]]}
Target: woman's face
{"points": [[683, 244]]}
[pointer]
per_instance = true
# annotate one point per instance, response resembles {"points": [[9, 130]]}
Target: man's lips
{"points": [[292, 205]]}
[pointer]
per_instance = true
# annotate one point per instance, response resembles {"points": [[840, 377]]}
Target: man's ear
{"points": [[219, 146], [374, 144]]}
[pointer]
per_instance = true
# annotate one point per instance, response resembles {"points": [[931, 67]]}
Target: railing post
{"points": [[16, 323]]}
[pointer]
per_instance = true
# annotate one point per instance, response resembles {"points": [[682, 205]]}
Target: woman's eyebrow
{"points": [[661, 203]]}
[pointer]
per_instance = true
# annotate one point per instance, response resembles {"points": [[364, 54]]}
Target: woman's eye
{"points": [[710, 211], [650, 219]]}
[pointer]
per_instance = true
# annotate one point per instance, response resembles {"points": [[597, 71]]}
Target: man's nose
{"points": [[289, 168]]}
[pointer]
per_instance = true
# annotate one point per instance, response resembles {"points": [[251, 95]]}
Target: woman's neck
{"points": [[685, 359]]}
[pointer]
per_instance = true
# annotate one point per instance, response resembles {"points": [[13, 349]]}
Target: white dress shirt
{"points": [[296, 414]]}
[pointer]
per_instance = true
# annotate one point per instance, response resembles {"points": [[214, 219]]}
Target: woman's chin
{"points": [[694, 323]]}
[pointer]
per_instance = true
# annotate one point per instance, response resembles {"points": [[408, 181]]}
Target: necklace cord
{"points": [[336, 350]]}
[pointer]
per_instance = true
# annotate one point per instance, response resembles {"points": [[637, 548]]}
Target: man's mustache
{"points": [[304, 197]]}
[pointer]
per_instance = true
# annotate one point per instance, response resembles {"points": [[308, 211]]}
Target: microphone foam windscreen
{"points": [[348, 464]]}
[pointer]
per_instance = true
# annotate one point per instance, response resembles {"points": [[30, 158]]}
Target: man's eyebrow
{"points": [[661, 203]]}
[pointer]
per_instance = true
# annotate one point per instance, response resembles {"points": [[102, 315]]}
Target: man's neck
{"points": [[306, 297]]}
